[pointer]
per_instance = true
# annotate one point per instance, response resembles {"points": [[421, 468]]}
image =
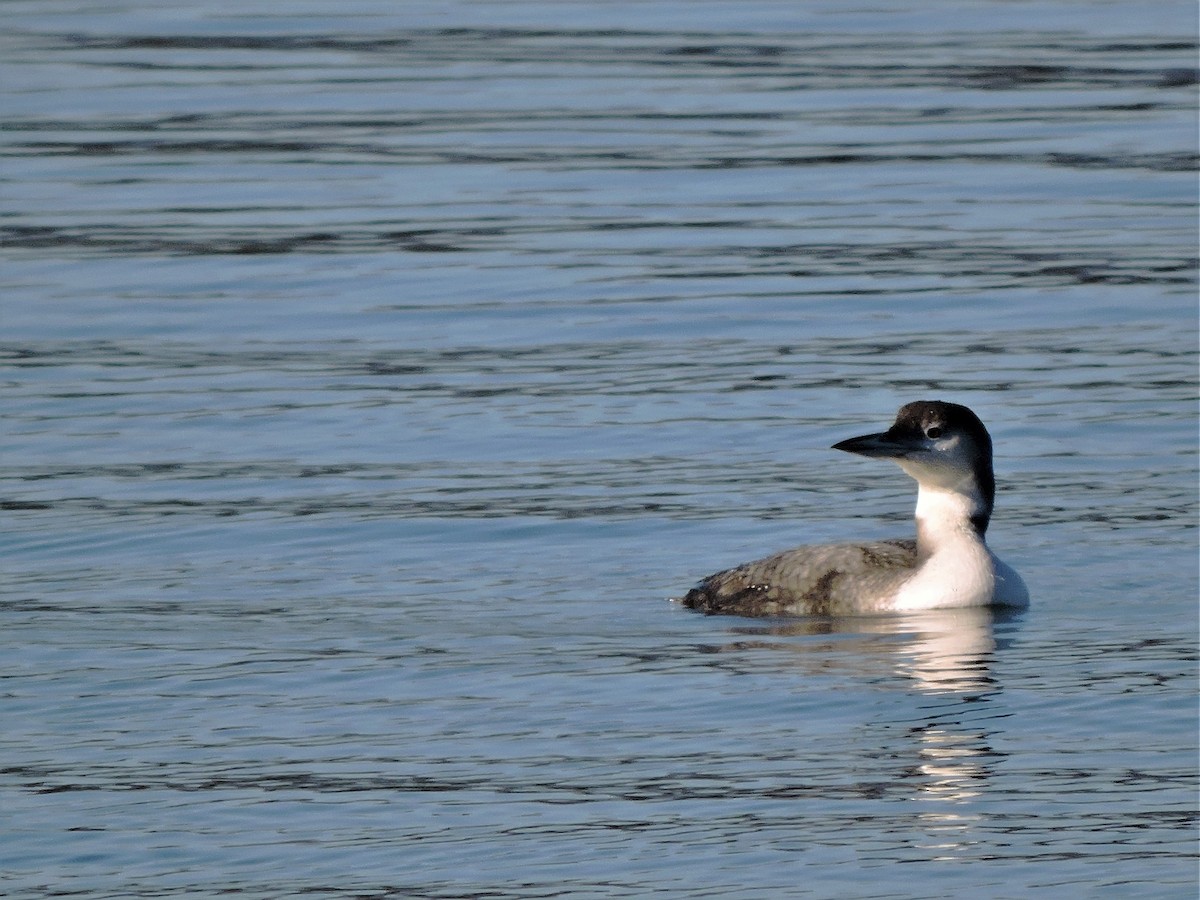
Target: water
{"points": [[375, 372]]}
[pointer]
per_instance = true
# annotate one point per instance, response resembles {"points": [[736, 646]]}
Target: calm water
{"points": [[374, 372]]}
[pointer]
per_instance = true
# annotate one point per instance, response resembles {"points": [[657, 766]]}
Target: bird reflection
{"points": [[938, 651], [945, 657]]}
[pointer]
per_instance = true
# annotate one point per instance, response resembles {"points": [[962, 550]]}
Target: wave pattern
{"points": [[373, 374]]}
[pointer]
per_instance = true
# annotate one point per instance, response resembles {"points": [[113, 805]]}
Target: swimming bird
{"points": [[947, 449]]}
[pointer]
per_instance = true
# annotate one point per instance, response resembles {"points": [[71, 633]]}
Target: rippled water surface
{"points": [[375, 372]]}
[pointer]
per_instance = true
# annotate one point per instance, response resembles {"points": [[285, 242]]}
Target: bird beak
{"points": [[882, 446]]}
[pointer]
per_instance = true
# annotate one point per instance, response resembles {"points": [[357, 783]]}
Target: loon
{"points": [[946, 448]]}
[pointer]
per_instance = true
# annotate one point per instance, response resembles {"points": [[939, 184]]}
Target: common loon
{"points": [[948, 451]]}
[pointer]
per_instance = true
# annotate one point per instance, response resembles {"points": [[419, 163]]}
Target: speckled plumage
{"points": [[828, 580]]}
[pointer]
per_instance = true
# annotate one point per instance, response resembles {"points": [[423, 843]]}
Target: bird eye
{"points": [[933, 431]]}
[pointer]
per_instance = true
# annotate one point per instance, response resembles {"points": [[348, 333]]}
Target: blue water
{"points": [[374, 373]]}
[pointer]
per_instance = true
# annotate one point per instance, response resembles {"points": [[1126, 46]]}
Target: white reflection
{"points": [[949, 655], [940, 651], [950, 651], [945, 658]]}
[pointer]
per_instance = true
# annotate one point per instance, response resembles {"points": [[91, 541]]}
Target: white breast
{"points": [[955, 569], [958, 575]]}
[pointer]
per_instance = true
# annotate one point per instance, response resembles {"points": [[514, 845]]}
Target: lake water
{"points": [[375, 372]]}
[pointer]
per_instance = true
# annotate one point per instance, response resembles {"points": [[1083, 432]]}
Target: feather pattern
{"points": [[828, 580]]}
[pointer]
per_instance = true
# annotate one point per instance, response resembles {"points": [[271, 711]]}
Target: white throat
{"points": [[955, 567], [944, 517]]}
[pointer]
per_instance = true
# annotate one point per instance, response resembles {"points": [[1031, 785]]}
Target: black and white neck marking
{"points": [[947, 449]]}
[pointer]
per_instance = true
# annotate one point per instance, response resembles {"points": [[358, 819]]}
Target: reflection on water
{"points": [[952, 651], [939, 651], [943, 654]]}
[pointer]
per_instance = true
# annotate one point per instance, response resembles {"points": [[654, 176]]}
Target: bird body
{"points": [[948, 451]]}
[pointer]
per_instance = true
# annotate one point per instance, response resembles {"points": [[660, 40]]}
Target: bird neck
{"points": [[947, 516]]}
